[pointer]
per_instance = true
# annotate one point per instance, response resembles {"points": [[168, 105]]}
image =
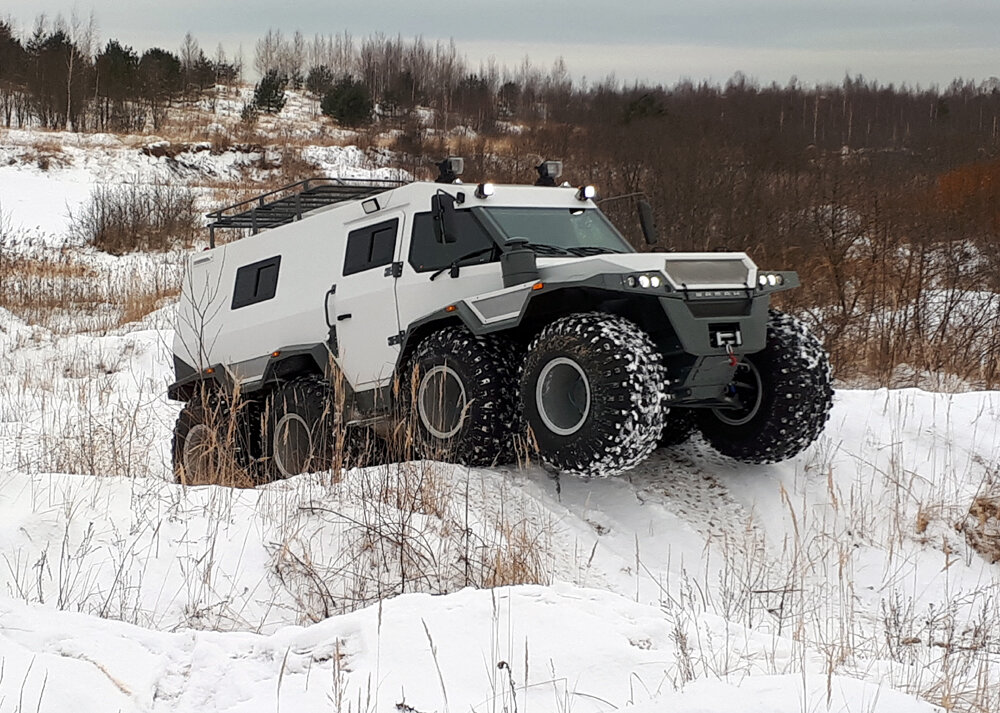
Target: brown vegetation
{"points": [[982, 527], [131, 217]]}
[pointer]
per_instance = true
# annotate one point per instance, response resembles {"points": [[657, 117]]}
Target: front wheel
{"points": [[783, 396], [592, 393]]}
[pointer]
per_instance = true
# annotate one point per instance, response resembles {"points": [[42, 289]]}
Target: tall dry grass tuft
{"points": [[56, 290]]}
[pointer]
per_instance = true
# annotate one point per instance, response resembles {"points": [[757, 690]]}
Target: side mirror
{"points": [[443, 211], [648, 223]]}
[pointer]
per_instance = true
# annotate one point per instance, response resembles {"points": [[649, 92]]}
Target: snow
{"points": [[840, 580]]}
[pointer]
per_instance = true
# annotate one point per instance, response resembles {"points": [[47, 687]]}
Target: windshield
{"points": [[572, 231]]}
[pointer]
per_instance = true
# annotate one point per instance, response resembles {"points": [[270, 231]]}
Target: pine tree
{"points": [[349, 102], [269, 92]]}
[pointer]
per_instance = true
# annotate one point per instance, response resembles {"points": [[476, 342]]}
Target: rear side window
{"points": [[256, 282], [370, 247], [427, 254]]}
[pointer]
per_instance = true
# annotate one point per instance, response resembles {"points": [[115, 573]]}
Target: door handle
{"points": [[342, 317], [327, 303]]}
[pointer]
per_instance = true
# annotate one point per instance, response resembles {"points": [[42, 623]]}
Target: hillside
{"points": [[858, 576]]}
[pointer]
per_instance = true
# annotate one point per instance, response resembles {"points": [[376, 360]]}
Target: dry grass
{"points": [[64, 294], [47, 154], [982, 527]]}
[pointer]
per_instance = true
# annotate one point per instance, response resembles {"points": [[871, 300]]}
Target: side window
{"points": [[370, 247], [256, 282], [427, 254]]}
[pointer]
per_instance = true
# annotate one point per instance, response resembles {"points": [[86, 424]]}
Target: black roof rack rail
{"points": [[291, 202]]}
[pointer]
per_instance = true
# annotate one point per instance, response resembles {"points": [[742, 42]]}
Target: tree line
{"points": [[57, 80]]}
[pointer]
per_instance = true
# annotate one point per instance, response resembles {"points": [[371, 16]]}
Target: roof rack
{"points": [[291, 202]]}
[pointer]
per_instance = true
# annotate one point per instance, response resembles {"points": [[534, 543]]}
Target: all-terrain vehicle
{"points": [[483, 313]]}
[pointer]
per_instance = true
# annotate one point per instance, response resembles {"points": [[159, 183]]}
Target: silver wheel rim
{"points": [[441, 402], [748, 390], [291, 433], [199, 454], [562, 393]]}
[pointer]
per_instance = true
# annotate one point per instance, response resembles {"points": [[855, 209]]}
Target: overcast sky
{"points": [[914, 41]]}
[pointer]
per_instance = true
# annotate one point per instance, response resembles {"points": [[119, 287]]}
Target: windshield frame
{"points": [[487, 219]]}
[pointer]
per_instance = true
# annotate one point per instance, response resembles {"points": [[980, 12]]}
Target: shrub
{"points": [[349, 102], [249, 114], [131, 217]]}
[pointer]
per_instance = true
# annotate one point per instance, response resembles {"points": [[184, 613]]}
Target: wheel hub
{"points": [[200, 455], [441, 402], [292, 445], [747, 390], [562, 394]]}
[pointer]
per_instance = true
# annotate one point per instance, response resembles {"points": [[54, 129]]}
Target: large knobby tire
{"points": [[786, 394], [592, 394], [213, 442], [300, 430], [461, 392], [678, 426]]}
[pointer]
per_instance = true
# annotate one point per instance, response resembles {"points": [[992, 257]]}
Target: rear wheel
{"points": [[592, 393], [783, 396], [462, 397], [300, 434], [212, 442]]}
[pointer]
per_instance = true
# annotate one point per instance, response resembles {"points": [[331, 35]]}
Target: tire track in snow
{"points": [[681, 479]]}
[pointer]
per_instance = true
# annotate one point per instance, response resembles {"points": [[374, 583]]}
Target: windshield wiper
{"points": [[588, 250], [453, 266], [543, 249]]}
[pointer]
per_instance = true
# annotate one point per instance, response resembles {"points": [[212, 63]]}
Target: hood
{"points": [[691, 271]]}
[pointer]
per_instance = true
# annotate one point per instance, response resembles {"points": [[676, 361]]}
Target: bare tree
{"points": [[82, 37], [267, 53]]}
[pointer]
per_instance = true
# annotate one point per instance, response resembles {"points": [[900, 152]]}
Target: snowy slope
{"points": [[842, 580]]}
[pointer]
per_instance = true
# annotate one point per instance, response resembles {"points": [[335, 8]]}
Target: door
{"points": [[473, 252], [364, 304]]}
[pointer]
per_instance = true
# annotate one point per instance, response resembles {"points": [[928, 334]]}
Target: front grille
{"points": [[730, 308]]}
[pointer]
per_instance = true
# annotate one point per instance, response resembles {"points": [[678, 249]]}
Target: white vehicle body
{"points": [[359, 303]]}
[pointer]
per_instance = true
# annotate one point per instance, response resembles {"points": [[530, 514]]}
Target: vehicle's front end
{"points": [[621, 344]]}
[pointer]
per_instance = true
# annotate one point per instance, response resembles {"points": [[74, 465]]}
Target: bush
{"points": [[269, 92], [349, 102], [249, 114], [133, 217]]}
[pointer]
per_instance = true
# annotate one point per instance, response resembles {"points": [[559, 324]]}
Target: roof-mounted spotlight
{"points": [[586, 193], [548, 172], [450, 169], [485, 190]]}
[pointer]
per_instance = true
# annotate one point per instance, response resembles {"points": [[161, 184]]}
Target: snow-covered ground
{"points": [[842, 580]]}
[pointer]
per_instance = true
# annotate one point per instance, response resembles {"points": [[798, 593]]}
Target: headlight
{"points": [[645, 281], [770, 279]]}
